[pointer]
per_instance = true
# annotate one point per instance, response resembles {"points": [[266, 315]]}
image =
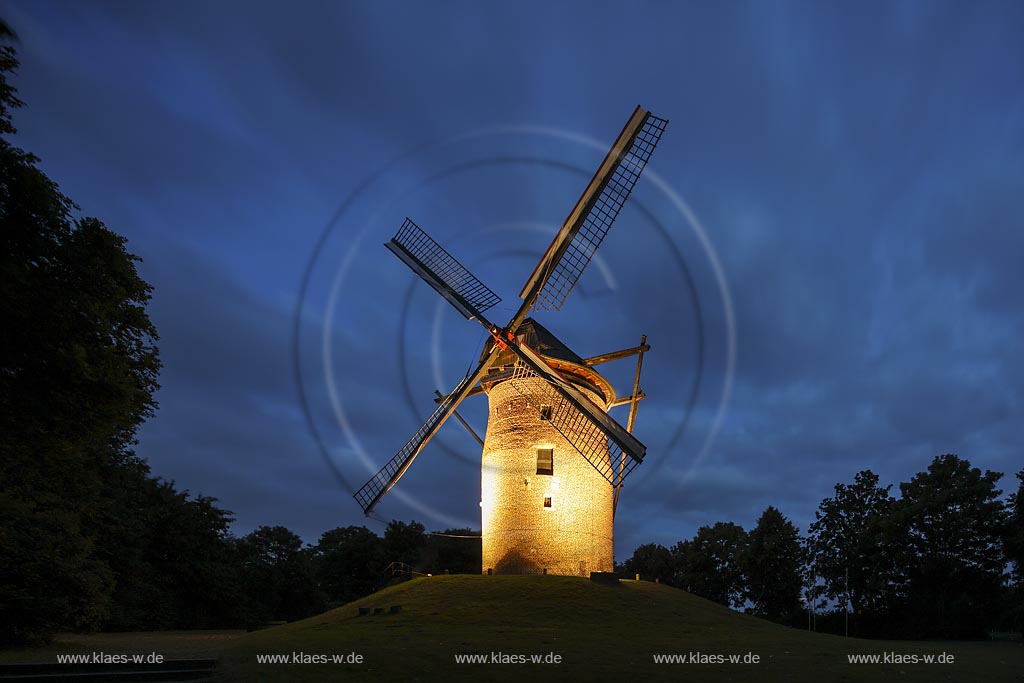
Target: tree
{"points": [[171, 557], [1014, 545], [454, 551], [711, 564], [951, 520], [847, 547], [772, 568], [404, 542], [1014, 541], [78, 368], [203, 579], [349, 563], [278, 576], [653, 562]]}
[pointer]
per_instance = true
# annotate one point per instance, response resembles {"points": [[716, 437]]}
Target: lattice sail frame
{"points": [[606, 456], [600, 215], [373, 490], [442, 271]]}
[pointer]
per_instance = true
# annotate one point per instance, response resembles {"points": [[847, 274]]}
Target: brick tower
{"points": [[543, 508]]}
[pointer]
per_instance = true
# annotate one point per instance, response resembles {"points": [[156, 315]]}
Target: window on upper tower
{"points": [[545, 413], [545, 461]]}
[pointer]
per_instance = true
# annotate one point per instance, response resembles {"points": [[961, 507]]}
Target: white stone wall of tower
{"points": [[521, 535]]}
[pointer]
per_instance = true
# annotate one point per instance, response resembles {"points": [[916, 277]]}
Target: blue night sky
{"points": [[825, 253]]}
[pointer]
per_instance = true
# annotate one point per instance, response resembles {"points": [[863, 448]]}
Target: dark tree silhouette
{"points": [[652, 562], [171, 557], [772, 567], [455, 551], [848, 551], [1014, 544], [404, 543], [711, 564], [349, 563], [278, 574], [951, 520], [78, 368]]}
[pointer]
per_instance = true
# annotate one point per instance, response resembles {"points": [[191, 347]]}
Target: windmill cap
{"points": [[567, 362]]}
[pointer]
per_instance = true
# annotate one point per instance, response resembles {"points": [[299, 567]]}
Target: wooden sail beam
{"points": [[634, 400], [627, 399], [478, 389], [636, 383], [616, 355], [462, 421]]}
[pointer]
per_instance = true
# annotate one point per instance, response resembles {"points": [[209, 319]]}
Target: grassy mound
{"points": [[599, 632]]}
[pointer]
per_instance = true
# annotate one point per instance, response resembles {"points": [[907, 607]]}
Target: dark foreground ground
{"points": [[576, 630]]}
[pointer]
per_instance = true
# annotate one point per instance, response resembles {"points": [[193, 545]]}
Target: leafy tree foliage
{"points": [[1014, 544], [849, 550], [772, 567], [404, 542], [453, 551], [78, 368], [172, 557], [278, 574], [1015, 531], [349, 563], [653, 562], [711, 564], [951, 520]]}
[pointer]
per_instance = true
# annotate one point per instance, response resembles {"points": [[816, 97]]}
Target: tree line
{"points": [[189, 572], [943, 560], [162, 559]]}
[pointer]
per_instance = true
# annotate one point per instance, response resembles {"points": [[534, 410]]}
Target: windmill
{"points": [[554, 460]]}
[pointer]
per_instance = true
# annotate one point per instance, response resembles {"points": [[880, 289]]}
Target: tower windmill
{"points": [[554, 460]]}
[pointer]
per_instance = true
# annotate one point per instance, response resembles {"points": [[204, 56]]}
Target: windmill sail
{"points": [[590, 220], [442, 271], [379, 484], [599, 439]]}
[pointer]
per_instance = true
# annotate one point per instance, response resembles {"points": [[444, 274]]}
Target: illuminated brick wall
{"points": [[520, 534]]}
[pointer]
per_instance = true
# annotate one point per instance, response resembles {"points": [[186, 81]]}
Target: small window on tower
{"points": [[547, 501], [545, 413], [545, 461]]}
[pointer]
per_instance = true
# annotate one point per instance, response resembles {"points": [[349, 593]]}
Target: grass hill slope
{"points": [[599, 632]]}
